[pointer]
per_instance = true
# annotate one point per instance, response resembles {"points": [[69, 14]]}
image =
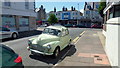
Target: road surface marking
{"points": [[75, 39], [82, 33]]}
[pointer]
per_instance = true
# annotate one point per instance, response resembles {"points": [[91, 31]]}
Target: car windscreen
{"points": [[52, 31]]}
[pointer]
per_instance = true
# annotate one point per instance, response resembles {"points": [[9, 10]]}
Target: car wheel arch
{"points": [[14, 33]]}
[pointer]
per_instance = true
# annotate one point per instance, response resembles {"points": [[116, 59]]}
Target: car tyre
{"points": [[14, 36], [56, 52]]}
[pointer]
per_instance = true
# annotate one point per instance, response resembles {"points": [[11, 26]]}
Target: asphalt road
{"points": [[20, 47]]}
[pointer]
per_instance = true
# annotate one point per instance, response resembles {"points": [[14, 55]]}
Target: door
{"points": [[5, 32], [64, 39]]}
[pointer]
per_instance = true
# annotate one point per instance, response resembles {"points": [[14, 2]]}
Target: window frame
{"points": [[7, 3]]}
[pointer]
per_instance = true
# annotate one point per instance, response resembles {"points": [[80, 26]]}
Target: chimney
{"points": [[42, 6], [72, 8], [54, 9], [66, 9], [63, 8]]}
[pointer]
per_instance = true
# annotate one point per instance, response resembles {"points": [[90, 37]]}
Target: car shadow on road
{"points": [[68, 51]]}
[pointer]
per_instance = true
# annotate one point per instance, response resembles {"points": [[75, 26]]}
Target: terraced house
{"points": [[18, 15], [91, 14]]}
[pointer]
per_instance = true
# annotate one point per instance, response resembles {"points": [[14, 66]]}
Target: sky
{"points": [[50, 4]]}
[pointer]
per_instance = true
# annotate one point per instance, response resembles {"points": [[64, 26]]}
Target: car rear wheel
{"points": [[69, 43], [56, 52], [14, 36]]}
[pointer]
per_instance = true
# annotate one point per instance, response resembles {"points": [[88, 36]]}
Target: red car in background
{"points": [[96, 26]]}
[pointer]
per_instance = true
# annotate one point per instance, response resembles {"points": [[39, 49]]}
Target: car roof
{"points": [[58, 27]]}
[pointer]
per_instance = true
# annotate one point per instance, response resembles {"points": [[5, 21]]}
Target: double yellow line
{"points": [[78, 37]]}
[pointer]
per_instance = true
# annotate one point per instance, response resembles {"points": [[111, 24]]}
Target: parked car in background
{"points": [[80, 26], [50, 42], [9, 58], [68, 25], [8, 33], [96, 26]]}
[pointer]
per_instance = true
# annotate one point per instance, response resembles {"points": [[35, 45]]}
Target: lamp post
{"points": [[77, 13]]}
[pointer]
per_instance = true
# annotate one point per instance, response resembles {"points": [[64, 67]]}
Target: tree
{"points": [[52, 19], [102, 7]]}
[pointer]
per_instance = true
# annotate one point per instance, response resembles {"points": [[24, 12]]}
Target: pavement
{"points": [[89, 52]]}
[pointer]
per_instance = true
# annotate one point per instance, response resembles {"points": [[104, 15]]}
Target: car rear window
{"points": [[6, 48]]}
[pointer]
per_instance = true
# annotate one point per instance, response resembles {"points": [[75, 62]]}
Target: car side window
{"points": [[63, 33], [5, 29], [67, 32]]}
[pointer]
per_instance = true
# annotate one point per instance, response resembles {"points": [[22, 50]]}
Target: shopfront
{"points": [[8, 21], [23, 24]]}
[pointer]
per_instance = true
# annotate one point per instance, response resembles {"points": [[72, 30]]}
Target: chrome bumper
{"points": [[36, 51]]}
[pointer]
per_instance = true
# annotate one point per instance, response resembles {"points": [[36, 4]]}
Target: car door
{"points": [[63, 39], [67, 37], [5, 32]]}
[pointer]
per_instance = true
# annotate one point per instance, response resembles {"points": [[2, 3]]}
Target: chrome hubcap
{"points": [[14, 35], [57, 52]]}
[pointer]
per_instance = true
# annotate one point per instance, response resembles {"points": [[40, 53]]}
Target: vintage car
{"points": [[52, 40]]}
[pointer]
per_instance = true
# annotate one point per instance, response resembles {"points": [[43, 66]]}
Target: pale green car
{"points": [[51, 41]]}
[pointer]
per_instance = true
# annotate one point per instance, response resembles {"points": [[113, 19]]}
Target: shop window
{"points": [[23, 22], [8, 21]]}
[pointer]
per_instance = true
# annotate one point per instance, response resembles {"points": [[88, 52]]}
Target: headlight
{"points": [[48, 46]]}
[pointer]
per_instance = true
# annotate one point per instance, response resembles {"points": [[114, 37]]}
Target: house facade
{"points": [[41, 14], [67, 16], [20, 16], [91, 14]]}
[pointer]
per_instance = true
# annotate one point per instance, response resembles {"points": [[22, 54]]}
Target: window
{"points": [[58, 13], [117, 11], [67, 32], [63, 33], [73, 13], [5, 29], [97, 6], [7, 3], [26, 4], [88, 7], [87, 12], [76, 13], [111, 13], [52, 31]]}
